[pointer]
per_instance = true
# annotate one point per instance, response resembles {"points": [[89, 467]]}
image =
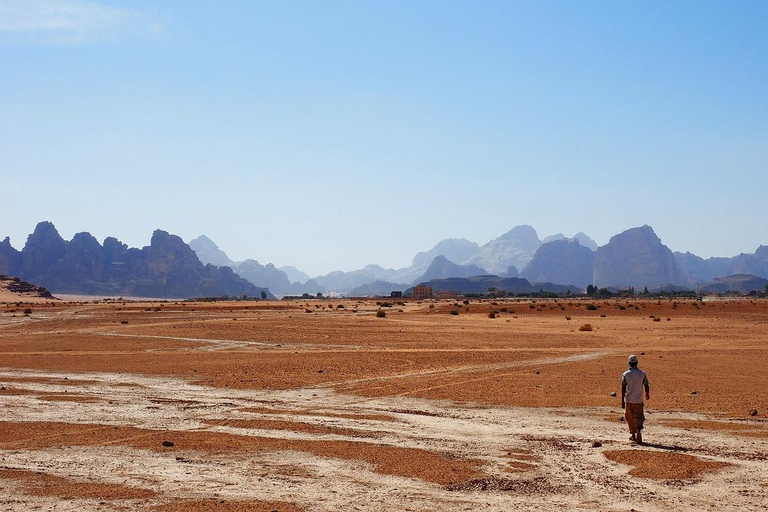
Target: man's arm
{"points": [[623, 390], [647, 388]]}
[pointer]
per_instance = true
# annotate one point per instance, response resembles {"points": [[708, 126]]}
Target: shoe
{"points": [[639, 437], [632, 438]]}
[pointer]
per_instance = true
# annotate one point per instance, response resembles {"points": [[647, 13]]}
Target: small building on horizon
{"points": [[396, 295], [422, 291]]}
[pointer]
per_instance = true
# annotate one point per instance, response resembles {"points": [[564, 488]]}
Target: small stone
{"points": [[621, 419], [613, 394], [694, 392], [642, 353], [538, 372], [597, 444], [753, 412], [319, 371], [168, 444]]}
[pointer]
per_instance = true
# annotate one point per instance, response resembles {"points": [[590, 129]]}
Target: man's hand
{"points": [[647, 396]]}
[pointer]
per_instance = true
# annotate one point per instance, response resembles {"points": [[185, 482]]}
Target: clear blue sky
{"points": [[329, 135]]}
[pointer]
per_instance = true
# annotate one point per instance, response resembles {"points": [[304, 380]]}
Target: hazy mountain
{"points": [[209, 252], [553, 238], [516, 247], [454, 249], [442, 268], [585, 241], [294, 275], [511, 272], [742, 283], [10, 258], [166, 268], [377, 289], [636, 258], [563, 261], [704, 270], [481, 284], [266, 276]]}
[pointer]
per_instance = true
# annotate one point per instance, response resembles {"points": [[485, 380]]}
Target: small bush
{"points": [[532, 306], [340, 306], [603, 316], [567, 318], [454, 311], [431, 306], [591, 307], [503, 310], [381, 314], [586, 327], [493, 314], [466, 302], [657, 319], [27, 311]]}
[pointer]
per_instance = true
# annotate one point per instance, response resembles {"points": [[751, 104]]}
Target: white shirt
{"points": [[635, 380]]}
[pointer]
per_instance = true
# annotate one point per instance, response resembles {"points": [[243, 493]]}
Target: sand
{"points": [[335, 409]]}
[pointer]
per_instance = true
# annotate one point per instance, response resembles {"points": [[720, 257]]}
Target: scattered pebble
{"points": [[168, 444], [694, 392], [613, 394], [597, 444], [753, 412]]}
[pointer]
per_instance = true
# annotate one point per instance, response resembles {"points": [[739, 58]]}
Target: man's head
{"points": [[632, 361]]}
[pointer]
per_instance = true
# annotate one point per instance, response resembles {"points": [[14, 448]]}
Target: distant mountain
{"points": [[742, 283], [209, 252], [636, 258], [14, 289], [166, 268], [511, 272], [563, 261], [515, 247], [481, 285], [266, 276], [454, 249], [703, 270], [442, 268], [585, 241], [377, 289], [294, 275], [553, 238]]}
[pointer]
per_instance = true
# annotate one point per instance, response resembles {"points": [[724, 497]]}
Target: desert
{"points": [[327, 405]]}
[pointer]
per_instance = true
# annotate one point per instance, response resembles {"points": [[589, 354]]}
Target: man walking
{"points": [[632, 383]]}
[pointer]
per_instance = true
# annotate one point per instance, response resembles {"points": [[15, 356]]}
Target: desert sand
{"points": [[322, 405]]}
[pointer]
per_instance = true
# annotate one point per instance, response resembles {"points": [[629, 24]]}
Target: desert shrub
{"points": [[466, 302], [623, 308], [27, 311], [381, 313], [603, 316], [503, 310], [431, 306], [493, 314], [567, 318], [586, 327], [591, 307], [454, 311], [307, 310], [657, 319], [340, 306], [532, 306], [123, 322]]}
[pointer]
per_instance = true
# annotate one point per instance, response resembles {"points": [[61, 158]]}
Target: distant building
{"points": [[396, 295], [422, 291]]}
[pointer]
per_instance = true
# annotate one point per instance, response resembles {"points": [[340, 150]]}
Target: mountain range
{"points": [[634, 258], [167, 268]]}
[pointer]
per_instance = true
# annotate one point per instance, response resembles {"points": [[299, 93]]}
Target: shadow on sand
{"points": [[664, 447]]}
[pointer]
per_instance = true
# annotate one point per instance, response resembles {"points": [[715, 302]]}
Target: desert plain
{"points": [[325, 405]]}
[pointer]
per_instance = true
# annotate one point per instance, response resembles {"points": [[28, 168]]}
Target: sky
{"points": [[330, 135]]}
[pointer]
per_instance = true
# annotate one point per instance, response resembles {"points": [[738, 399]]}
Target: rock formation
{"points": [[516, 247], [209, 252], [442, 268], [636, 258], [168, 267], [741, 283], [454, 249], [563, 261], [482, 285]]}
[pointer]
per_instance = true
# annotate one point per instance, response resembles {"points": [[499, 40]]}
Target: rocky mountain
{"points": [[209, 252], [14, 289], [741, 283], [585, 241], [442, 268], [481, 285], [10, 258], [515, 247], [295, 275], [563, 261], [636, 258], [377, 289], [703, 270], [266, 276], [553, 238], [454, 249], [168, 267]]}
